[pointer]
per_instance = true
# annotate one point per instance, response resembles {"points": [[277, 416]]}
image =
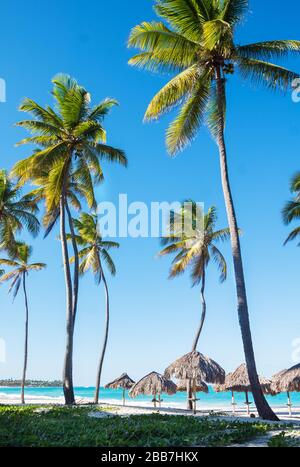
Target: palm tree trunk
{"points": [[68, 361], [197, 337], [76, 264], [203, 316], [26, 342], [99, 373], [263, 407]]}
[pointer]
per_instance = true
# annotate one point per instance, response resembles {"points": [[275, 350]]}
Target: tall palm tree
{"points": [[291, 211], [195, 249], [16, 212], [196, 42], [95, 252], [193, 239], [73, 144], [17, 277]]}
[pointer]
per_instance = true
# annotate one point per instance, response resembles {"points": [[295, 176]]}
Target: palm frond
{"points": [[9, 262], [111, 154], [108, 262], [184, 128], [234, 11], [173, 92], [269, 49], [47, 116], [185, 16], [221, 235], [220, 261], [102, 109], [291, 211], [5, 277], [293, 235], [261, 72], [36, 267]]}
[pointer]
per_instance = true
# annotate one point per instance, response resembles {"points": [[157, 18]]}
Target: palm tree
{"points": [[291, 211], [73, 144], [197, 43], [16, 212], [17, 277], [195, 249], [95, 252]]}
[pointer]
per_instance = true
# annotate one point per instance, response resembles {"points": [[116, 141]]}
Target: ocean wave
{"points": [[5, 395]]}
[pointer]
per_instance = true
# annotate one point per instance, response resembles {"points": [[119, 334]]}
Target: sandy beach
{"points": [[137, 408]]}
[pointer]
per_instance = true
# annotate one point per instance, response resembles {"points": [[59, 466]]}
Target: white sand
{"points": [[135, 408]]}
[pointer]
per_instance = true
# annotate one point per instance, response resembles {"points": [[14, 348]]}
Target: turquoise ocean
{"points": [[212, 399]]}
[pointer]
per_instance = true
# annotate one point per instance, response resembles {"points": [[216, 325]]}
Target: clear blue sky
{"points": [[153, 319]]}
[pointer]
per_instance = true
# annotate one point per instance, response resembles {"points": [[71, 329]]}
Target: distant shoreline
{"points": [[13, 383]]}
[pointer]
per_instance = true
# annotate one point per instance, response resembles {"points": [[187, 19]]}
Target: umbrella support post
{"points": [[233, 403], [195, 400], [289, 404], [154, 400], [124, 397], [188, 393]]}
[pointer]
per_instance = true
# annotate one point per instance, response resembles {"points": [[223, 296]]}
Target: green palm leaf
{"points": [[184, 128]]}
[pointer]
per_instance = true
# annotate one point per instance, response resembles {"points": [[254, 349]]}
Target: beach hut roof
{"points": [[238, 381], [124, 382], [153, 384], [198, 387], [194, 365], [287, 380]]}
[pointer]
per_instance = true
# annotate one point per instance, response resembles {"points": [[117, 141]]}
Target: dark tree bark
{"points": [[263, 407], [100, 366], [203, 316], [68, 360], [26, 341], [76, 264], [197, 337]]}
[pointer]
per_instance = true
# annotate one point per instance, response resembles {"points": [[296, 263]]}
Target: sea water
{"points": [[212, 399]]}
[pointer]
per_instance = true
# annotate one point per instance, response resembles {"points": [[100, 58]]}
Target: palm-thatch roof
{"points": [[287, 380], [153, 384], [194, 365], [124, 382], [199, 386], [238, 381]]}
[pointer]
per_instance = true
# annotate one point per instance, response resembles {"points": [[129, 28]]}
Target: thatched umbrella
{"points": [[154, 385], [195, 366], [124, 382], [199, 386], [287, 381], [238, 381]]}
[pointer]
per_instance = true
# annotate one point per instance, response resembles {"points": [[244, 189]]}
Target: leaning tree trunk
{"points": [[203, 316], [26, 342], [98, 380], [263, 407], [76, 264], [197, 337], [68, 361]]}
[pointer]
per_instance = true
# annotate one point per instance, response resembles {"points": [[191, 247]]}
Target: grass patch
{"points": [[67, 427], [284, 440]]}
